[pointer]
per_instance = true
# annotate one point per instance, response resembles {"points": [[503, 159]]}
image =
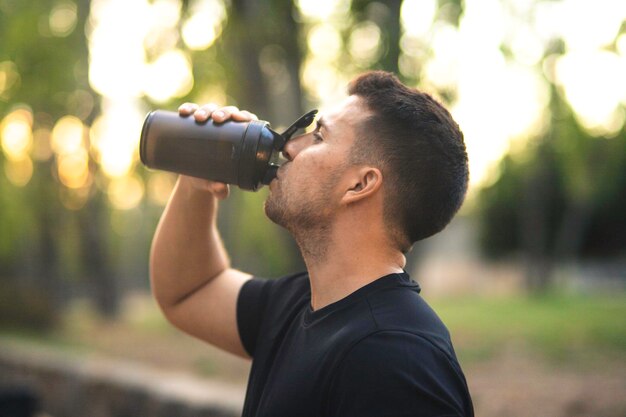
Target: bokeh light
{"points": [[594, 84], [324, 42], [73, 168], [19, 171], [160, 186], [322, 10], [114, 138], [417, 16], [16, 134], [62, 19], [9, 77], [204, 25], [364, 44], [68, 135], [126, 193], [168, 76], [42, 146], [116, 46]]}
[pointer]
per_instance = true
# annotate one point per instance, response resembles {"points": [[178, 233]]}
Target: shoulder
{"points": [[294, 283], [264, 306], [388, 350], [403, 310], [396, 368], [278, 292]]}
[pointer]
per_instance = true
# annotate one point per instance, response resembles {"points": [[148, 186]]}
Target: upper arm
{"points": [[210, 312]]}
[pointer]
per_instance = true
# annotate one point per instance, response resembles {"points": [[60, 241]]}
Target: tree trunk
{"points": [[102, 282]]}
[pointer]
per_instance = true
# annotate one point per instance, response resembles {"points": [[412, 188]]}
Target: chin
{"points": [[273, 212]]}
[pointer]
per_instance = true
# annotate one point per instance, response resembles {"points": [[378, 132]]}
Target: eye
{"points": [[318, 136]]}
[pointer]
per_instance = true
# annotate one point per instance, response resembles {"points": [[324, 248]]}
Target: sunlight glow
{"points": [[582, 24], [321, 10], [498, 100], [324, 42], [116, 49], [204, 26], [16, 134], [489, 64], [443, 70], [526, 46], [16, 137], [417, 16], [495, 107], [114, 139], [68, 141], [168, 76], [323, 82], [164, 13], [594, 84], [68, 135]]}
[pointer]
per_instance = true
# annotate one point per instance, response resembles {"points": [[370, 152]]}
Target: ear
{"points": [[364, 183]]}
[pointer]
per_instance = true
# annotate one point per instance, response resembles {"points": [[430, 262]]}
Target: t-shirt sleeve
{"points": [[251, 306], [399, 374]]}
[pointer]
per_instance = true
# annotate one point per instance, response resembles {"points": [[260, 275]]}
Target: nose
{"points": [[294, 146]]}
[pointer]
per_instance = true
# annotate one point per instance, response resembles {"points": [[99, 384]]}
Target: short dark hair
{"points": [[419, 149]]}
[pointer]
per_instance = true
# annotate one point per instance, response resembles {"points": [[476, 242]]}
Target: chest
{"points": [[292, 373]]}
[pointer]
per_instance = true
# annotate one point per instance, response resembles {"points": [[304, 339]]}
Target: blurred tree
{"points": [[387, 17], [570, 185], [43, 45]]}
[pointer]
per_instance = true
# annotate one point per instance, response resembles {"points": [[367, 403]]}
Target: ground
{"points": [[554, 356]]}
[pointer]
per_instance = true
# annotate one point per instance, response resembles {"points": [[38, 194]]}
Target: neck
{"points": [[345, 257]]}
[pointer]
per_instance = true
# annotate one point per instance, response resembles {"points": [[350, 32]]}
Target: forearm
{"points": [[187, 251]]}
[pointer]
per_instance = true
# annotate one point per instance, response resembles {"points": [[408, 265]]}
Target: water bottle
{"points": [[245, 154]]}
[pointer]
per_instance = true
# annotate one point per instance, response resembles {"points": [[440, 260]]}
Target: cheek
{"points": [[313, 168]]}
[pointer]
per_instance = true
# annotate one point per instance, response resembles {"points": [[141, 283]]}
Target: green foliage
{"points": [[49, 67], [559, 326], [566, 186]]}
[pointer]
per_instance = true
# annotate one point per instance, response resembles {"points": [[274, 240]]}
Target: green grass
{"points": [[565, 329], [561, 327]]}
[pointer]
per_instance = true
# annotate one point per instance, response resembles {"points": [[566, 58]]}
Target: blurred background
{"points": [[530, 277]]}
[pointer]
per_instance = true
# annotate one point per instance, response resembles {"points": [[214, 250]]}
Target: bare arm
{"points": [[190, 272]]}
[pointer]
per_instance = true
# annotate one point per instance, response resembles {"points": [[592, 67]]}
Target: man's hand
{"points": [[219, 115]]}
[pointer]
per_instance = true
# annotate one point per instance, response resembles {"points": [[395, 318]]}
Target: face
{"points": [[307, 191]]}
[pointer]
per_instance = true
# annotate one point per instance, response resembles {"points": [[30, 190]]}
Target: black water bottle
{"points": [[240, 153]]}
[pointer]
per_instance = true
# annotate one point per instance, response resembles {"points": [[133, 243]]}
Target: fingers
{"points": [[243, 116], [231, 112], [187, 109], [218, 114], [219, 190], [203, 113]]}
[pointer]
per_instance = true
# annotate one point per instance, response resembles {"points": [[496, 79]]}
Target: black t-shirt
{"points": [[380, 352]]}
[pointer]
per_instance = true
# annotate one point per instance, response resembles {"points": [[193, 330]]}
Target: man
{"points": [[351, 336]]}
